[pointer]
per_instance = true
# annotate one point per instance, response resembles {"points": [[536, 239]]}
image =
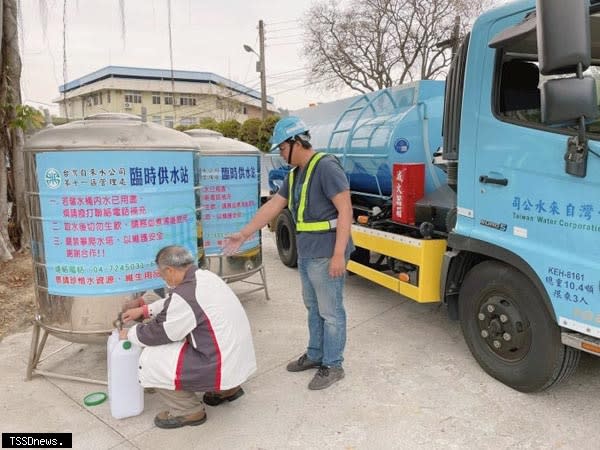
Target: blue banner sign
{"points": [[105, 215], [229, 188]]}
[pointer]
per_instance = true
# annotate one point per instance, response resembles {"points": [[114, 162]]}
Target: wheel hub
{"points": [[504, 328]]}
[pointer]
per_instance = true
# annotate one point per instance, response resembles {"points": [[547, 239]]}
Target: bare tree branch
{"points": [[373, 44]]}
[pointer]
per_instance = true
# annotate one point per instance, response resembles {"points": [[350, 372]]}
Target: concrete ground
{"points": [[410, 383]]}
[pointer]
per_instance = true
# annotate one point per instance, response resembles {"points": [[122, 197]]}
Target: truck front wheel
{"points": [[509, 330], [285, 236]]}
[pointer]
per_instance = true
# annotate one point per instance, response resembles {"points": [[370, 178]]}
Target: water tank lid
{"points": [[113, 116], [95, 398], [203, 132], [127, 345]]}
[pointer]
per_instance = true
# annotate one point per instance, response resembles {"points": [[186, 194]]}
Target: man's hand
{"points": [[135, 303], [123, 334], [337, 266], [233, 243], [133, 314]]}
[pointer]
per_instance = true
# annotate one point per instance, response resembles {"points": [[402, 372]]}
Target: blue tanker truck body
{"points": [[507, 234], [369, 133]]}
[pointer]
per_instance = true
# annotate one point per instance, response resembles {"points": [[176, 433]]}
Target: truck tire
{"points": [[510, 331], [285, 236]]}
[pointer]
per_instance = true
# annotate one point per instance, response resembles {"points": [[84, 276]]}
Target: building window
{"points": [[187, 100], [188, 121], [108, 97], [156, 119], [244, 110], [95, 99], [168, 100], [133, 97], [169, 121], [100, 98], [156, 98]]}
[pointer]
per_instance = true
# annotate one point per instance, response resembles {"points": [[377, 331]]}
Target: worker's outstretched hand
{"points": [[337, 266], [233, 243], [133, 314]]}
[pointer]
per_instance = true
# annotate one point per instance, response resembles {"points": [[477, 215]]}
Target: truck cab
{"points": [[522, 266]]}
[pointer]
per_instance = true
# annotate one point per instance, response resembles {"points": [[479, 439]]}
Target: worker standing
{"points": [[317, 193]]}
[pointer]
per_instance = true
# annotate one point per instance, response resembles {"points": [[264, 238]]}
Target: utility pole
{"points": [[454, 41], [455, 35], [263, 74]]}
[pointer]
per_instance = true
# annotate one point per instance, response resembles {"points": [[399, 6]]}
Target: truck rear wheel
{"points": [[285, 236], [509, 330]]}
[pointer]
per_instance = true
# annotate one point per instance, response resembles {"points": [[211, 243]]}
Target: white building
{"points": [[171, 98]]}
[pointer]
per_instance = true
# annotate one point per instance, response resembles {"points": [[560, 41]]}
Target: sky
{"points": [[207, 36]]}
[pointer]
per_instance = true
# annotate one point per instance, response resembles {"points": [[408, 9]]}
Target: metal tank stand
{"points": [[243, 278], [35, 353]]}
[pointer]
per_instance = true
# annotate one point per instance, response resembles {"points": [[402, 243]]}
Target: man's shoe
{"points": [[216, 398], [325, 377], [302, 363], [166, 420]]}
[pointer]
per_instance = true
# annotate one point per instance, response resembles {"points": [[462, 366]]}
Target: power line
{"points": [[285, 43], [41, 103], [283, 21], [285, 36], [289, 71], [251, 60], [65, 59], [171, 59], [280, 30], [305, 85]]}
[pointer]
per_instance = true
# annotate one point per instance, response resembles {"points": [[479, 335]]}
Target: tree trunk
{"points": [[12, 62], [6, 247]]}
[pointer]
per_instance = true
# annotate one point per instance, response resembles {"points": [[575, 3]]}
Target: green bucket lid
{"points": [[95, 398]]}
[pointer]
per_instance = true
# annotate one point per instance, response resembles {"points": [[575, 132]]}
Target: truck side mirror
{"points": [[565, 100], [563, 35], [564, 46]]}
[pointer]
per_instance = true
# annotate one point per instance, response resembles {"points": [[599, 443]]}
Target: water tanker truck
{"points": [[483, 192]]}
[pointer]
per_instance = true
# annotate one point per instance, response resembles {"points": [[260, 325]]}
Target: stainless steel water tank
{"points": [[104, 195], [229, 187]]}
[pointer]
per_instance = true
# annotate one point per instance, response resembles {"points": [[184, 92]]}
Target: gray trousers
{"points": [[181, 403]]}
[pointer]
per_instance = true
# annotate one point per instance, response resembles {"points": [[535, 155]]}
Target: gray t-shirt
{"points": [[328, 180]]}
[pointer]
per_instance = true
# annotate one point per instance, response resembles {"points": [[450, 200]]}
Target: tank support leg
{"points": [[35, 351], [263, 275]]}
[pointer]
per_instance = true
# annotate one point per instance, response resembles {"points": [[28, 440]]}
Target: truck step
{"points": [[582, 342]]}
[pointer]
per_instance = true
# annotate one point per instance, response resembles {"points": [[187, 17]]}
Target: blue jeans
{"points": [[324, 300]]}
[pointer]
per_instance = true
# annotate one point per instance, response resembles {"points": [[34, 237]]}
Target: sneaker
{"points": [[325, 377], [216, 398], [166, 420], [302, 363]]}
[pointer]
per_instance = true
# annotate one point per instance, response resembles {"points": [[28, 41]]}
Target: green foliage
{"points": [[184, 127], [253, 131], [230, 128], [265, 132], [249, 132], [208, 123], [26, 117]]}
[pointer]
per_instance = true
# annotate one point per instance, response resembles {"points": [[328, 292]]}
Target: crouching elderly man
{"points": [[198, 340]]}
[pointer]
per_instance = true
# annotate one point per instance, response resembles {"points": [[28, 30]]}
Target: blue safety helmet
{"points": [[285, 129]]}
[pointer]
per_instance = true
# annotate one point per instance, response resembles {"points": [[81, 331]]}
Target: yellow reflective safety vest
{"points": [[301, 224]]}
